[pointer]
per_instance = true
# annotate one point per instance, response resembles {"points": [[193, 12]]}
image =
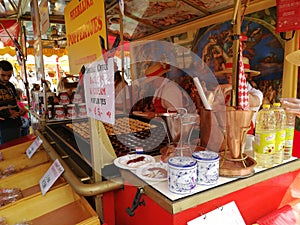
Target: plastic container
{"points": [[76, 98], [82, 110], [289, 136], [208, 167], [248, 150], [265, 135], [59, 112], [182, 174], [71, 111], [64, 98], [280, 123]]}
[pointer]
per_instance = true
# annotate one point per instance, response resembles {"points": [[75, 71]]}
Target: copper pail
{"points": [[212, 129], [237, 126]]}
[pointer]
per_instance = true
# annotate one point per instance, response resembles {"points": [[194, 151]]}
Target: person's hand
{"points": [[292, 104], [254, 101], [13, 114]]}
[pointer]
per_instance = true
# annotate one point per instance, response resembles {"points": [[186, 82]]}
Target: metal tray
{"points": [[150, 140]]}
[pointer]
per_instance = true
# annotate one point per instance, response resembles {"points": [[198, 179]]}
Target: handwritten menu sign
{"points": [[288, 15], [228, 214], [52, 174], [33, 147], [100, 90]]}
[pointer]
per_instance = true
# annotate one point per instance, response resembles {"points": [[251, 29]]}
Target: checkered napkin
{"points": [[243, 96]]}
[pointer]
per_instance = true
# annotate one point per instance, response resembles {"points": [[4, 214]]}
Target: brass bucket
{"points": [[237, 125], [234, 162], [212, 129]]}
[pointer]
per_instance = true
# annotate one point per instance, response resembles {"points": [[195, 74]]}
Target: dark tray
{"points": [[150, 140]]}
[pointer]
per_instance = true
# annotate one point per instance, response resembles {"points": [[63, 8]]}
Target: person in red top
{"points": [[167, 93], [25, 118]]}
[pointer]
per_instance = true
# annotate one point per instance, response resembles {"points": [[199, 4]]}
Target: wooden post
{"points": [[290, 71]]}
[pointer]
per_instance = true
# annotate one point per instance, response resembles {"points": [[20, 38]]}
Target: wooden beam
{"points": [[53, 18], [215, 18]]}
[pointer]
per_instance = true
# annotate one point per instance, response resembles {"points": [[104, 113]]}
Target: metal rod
{"points": [[236, 11], [4, 28], [79, 187], [122, 62], [235, 56]]}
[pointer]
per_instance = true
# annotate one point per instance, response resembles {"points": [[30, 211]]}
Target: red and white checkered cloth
{"points": [[243, 95]]}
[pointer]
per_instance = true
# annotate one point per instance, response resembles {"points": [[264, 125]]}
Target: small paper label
{"points": [[52, 174], [228, 214], [33, 147]]}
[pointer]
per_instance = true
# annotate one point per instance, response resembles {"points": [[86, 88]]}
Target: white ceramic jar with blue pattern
{"points": [[208, 167], [182, 174]]}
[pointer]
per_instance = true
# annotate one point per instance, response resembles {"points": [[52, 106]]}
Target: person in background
{"points": [[167, 93], [10, 127], [47, 85], [35, 87], [34, 93], [255, 95], [121, 89], [25, 118]]}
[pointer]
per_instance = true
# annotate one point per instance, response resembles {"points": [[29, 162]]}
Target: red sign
{"points": [[12, 28], [288, 15]]}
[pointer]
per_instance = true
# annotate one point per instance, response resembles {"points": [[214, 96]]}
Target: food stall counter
{"points": [[267, 188]]}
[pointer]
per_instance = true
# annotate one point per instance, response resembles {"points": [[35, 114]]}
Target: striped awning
{"points": [[46, 51]]}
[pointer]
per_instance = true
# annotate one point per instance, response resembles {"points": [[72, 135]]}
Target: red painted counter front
{"points": [[254, 201]]}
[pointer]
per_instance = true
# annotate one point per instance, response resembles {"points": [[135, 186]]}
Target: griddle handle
{"points": [[136, 201]]}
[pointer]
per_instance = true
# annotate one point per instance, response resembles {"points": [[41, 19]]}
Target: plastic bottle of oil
{"points": [[280, 123], [289, 137], [265, 134]]}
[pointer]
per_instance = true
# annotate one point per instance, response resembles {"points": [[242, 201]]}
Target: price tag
{"points": [[52, 174], [33, 147], [228, 214]]}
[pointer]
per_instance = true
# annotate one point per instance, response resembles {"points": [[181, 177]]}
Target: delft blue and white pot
{"points": [[208, 167], [182, 174]]}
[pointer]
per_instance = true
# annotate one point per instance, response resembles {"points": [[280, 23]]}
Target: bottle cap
{"points": [[266, 106], [276, 104]]}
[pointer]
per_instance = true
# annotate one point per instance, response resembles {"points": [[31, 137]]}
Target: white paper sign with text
{"points": [[228, 214], [52, 174], [100, 90], [33, 147]]}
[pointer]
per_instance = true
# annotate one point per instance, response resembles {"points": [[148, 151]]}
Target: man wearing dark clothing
{"points": [[10, 113]]}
